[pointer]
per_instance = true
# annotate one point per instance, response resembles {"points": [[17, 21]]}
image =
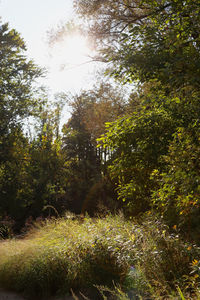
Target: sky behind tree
{"points": [[33, 19]]}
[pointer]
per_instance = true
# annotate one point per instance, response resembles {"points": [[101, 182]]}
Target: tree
{"points": [[178, 192], [15, 182], [147, 40], [137, 143], [17, 76], [87, 164], [83, 163], [157, 45], [17, 101]]}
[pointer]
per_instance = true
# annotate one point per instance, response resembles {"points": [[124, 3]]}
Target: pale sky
{"points": [[32, 19]]}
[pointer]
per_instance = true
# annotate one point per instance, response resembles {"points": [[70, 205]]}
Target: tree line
{"points": [[133, 150]]}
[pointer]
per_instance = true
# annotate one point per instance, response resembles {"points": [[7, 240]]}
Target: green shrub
{"points": [[178, 197]]}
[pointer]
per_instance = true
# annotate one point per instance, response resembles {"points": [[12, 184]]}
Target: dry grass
{"points": [[66, 254]]}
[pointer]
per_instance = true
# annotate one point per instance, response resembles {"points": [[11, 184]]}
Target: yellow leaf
{"points": [[194, 262]]}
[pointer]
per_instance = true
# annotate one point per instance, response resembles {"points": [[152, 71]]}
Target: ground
{"points": [[12, 296]]}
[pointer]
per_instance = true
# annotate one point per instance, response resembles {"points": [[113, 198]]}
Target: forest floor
{"points": [[4, 295], [9, 296]]}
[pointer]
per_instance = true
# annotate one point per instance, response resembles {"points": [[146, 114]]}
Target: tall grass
{"points": [[65, 254]]}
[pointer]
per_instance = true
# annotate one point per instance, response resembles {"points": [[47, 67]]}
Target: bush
{"points": [[178, 197]]}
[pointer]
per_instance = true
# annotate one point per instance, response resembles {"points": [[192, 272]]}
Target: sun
{"points": [[72, 51], [69, 61]]}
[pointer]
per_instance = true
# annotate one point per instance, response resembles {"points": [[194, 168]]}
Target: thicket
{"points": [[142, 148], [155, 145], [136, 150], [100, 255]]}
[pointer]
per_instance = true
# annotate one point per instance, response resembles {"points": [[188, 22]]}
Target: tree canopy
{"points": [[147, 40], [155, 46], [17, 75], [135, 149]]}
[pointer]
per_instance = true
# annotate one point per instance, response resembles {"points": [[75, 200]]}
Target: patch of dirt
{"points": [[10, 296], [4, 295]]}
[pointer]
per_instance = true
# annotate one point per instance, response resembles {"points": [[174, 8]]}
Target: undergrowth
{"points": [[88, 254]]}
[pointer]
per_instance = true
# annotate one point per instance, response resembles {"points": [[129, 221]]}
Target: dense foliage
{"points": [[145, 148], [149, 151], [136, 149], [154, 44]]}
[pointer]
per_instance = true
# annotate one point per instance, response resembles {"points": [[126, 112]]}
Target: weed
{"points": [[72, 253]]}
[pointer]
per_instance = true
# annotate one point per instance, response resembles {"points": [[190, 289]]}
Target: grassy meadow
{"points": [[103, 258]]}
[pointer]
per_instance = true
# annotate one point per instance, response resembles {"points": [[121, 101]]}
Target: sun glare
{"points": [[72, 51], [69, 61]]}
